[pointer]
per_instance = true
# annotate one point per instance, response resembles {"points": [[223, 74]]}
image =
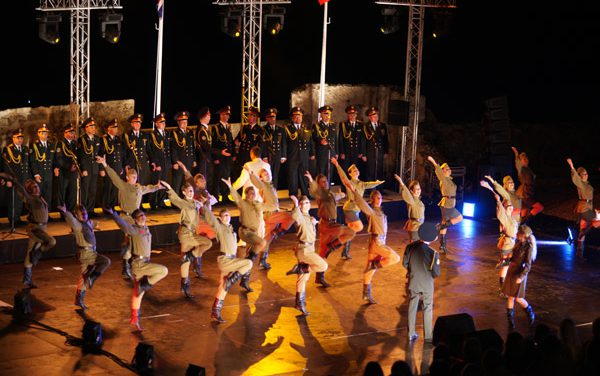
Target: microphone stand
{"points": [[12, 229]]}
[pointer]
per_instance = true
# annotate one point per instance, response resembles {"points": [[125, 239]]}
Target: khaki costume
{"points": [[511, 196], [448, 190], [416, 213], [331, 234], [350, 208], [527, 188], [275, 220], [509, 227], [585, 191], [252, 224]]}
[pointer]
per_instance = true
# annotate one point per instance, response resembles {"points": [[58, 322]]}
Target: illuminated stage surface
{"points": [[263, 334]]}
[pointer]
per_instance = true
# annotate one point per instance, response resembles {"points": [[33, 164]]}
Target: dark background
{"points": [[538, 54]]}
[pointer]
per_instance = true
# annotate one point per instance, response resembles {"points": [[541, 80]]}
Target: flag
{"points": [[160, 7], [321, 2]]}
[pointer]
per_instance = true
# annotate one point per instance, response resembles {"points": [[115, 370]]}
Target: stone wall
{"points": [[57, 117]]}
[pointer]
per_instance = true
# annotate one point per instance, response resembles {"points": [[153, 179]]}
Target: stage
{"points": [[264, 335]]}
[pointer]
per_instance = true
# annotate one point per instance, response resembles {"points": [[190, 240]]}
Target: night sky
{"points": [[541, 57]]}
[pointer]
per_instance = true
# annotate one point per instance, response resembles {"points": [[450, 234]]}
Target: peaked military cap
{"points": [[43, 128], [17, 133], [428, 232], [160, 117], [253, 111], [226, 109], [351, 109], [325, 108], [182, 115], [69, 128], [203, 112], [296, 110], [372, 110], [113, 123], [136, 117], [272, 111], [89, 121]]}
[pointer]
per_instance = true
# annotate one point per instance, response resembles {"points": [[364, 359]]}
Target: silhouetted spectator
{"points": [[439, 368], [441, 352], [570, 337], [373, 369], [514, 352], [401, 368]]}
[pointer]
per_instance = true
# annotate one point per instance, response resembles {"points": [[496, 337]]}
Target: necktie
{"points": [[44, 144], [19, 148]]}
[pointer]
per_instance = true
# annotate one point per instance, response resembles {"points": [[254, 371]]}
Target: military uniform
{"points": [[41, 161], [68, 171], [88, 148], [182, 149], [351, 141], [250, 135], [159, 153], [203, 145], [275, 146], [523, 255], [15, 162], [222, 140], [114, 152], [325, 138], [376, 145], [300, 149], [136, 144], [416, 213], [510, 196]]}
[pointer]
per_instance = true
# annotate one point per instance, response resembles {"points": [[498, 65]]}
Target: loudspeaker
{"points": [[194, 370], [22, 305], [451, 330], [92, 336], [489, 338], [398, 112], [143, 360]]}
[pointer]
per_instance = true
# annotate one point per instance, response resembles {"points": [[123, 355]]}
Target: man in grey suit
{"points": [[423, 266]]}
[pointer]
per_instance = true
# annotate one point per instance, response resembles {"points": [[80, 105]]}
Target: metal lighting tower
{"points": [[252, 16], [412, 80], [80, 43]]}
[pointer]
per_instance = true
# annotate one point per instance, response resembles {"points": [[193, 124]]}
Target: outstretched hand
{"points": [[164, 184], [308, 176], [62, 208], [101, 160], [334, 162], [227, 182], [570, 162], [397, 177], [430, 159], [485, 185], [294, 200]]}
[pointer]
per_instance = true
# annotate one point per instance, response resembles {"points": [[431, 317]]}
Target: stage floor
{"points": [[264, 335]]}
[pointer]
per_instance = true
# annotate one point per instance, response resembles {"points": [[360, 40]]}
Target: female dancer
{"points": [[450, 216], [416, 208], [526, 191], [523, 256], [232, 268], [351, 211], [508, 193], [39, 239], [308, 260], [192, 244], [508, 234], [93, 265], [379, 254], [585, 205]]}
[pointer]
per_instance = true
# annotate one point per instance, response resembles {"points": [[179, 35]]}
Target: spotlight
{"points": [[48, 27], [468, 210], [391, 20], [232, 23], [110, 24], [274, 20]]}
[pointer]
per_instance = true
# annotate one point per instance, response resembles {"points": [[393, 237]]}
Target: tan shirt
{"points": [[141, 238], [225, 234], [527, 179], [267, 190], [416, 210], [307, 231], [585, 192], [37, 206], [509, 227], [377, 218], [251, 213], [359, 186], [83, 232], [507, 195], [130, 195], [326, 200], [447, 187], [190, 210]]}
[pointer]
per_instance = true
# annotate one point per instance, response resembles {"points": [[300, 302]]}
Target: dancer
{"points": [[130, 199], [93, 265], [526, 191], [415, 207], [450, 215], [523, 256], [351, 210], [252, 224], [585, 205], [146, 274], [192, 244], [276, 221], [39, 239], [332, 235], [508, 233], [308, 260], [423, 264], [508, 193], [232, 268]]}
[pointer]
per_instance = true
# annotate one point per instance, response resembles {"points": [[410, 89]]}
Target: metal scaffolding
{"points": [[412, 80], [252, 16], [80, 44]]}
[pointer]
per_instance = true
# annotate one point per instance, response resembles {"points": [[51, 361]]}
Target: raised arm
{"points": [[112, 175], [124, 226], [362, 204], [575, 178], [70, 218]]}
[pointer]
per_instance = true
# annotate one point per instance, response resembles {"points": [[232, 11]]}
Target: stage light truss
{"points": [[252, 18], [412, 79], [80, 45]]}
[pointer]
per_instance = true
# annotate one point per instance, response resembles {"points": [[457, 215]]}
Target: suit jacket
{"points": [[41, 159]]}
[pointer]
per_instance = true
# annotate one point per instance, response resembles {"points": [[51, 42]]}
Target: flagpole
{"points": [[158, 87], [323, 57]]}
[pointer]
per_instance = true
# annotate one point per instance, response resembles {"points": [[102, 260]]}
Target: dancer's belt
{"points": [[449, 196], [329, 220], [39, 223], [227, 255], [143, 258], [508, 236], [584, 200], [420, 220], [306, 243]]}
